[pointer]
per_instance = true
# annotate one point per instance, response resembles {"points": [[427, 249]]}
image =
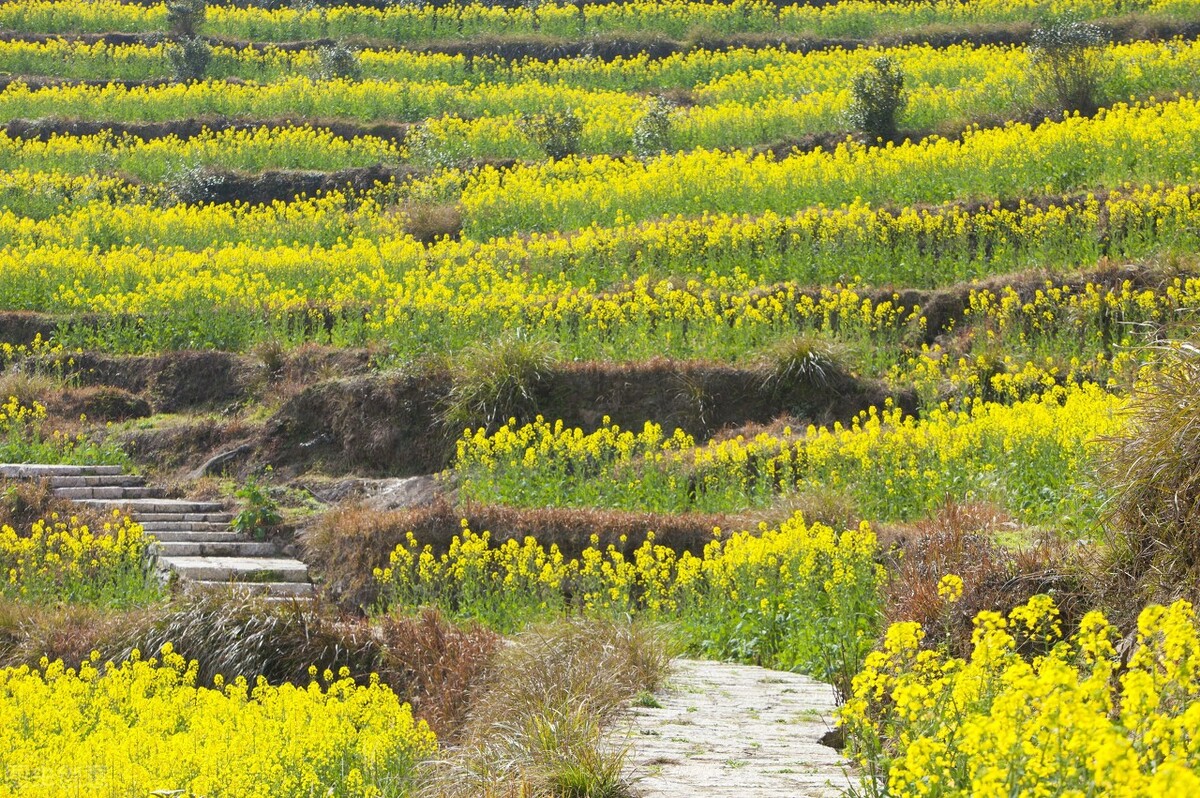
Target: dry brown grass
{"points": [[539, 727], [960, 540], [439, 665], [1152, 474], [69, 632]]}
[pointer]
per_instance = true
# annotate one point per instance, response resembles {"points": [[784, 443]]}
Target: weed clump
{"points": [[497, 380]]}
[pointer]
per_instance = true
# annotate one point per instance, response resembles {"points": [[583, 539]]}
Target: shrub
{"points": [[189, 58], [184, 17], [652, 133], [557, 133], [877, 98], [1067, 65], [339, 62]]}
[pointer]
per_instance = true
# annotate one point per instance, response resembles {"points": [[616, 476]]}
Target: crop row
{"points": [[675, 18], [1141, 143], [788, 96], [79, 218], [1028, 458], [743, 74], [1156, 141]]}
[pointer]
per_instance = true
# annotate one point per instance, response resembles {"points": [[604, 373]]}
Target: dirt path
{"points": [[735, 730]]}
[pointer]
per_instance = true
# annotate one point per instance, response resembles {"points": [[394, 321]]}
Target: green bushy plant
{"points": [[877, 99]]}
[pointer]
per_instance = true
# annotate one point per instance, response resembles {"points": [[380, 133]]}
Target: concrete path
{"points": [[727, 731]]}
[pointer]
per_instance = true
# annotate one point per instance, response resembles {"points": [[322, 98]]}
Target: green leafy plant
{"points": [[877, 99], [184, 17], [557, 133], [260, 511], [189, 57], [652, 133], [339, 62]]}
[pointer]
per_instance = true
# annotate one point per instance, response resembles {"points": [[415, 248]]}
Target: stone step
{"points": [[114, 493], [213, 548], [139, 506], [98, 481], [215, 518], [41, 471], [237, 569], [197, 536], [276, 590], [155, 527]]}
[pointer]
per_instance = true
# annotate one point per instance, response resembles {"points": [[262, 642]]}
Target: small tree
{"points": [[339, 61], [184, 17], [557, 133], [652, 133], [189, 58], [1067, 66], [877, 98]]}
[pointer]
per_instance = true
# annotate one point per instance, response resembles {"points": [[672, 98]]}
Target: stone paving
{"points": [[727, 730]]}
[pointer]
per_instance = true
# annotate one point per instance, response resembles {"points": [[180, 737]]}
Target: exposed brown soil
{"points": [[392, 423]]}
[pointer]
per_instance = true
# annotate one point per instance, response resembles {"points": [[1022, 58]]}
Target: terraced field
{"points": [[844, 338]]}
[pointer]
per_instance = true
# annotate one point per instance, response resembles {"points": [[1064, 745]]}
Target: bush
{"points": [[652, 133], [877, 98], [339, 62], [189, 58], [557, 133], [184, 17], [1067, 66]]}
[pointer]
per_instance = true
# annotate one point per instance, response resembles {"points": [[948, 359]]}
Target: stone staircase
{"points": [[194, 539]]}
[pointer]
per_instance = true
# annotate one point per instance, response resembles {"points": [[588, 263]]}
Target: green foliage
{"points": [[190, 57], [24, 439], [184, 17], [260, 512], [877, 99], [1067, 66], [556, 133], [339, 62], [652, 133]]}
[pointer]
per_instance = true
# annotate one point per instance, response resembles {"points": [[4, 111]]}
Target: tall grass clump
{"points": [[1152, 472], [498, 379], [538, 728]]}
